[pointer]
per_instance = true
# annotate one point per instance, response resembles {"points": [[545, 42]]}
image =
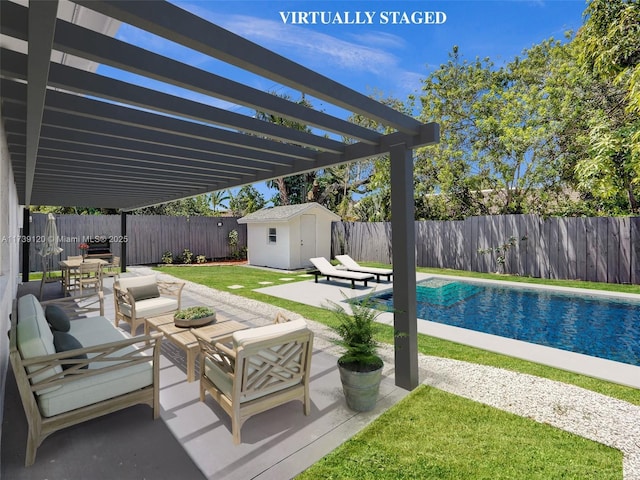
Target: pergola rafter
{"points": [[79, 138]]}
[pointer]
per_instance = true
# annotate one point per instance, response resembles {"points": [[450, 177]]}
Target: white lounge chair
{"points": [[325, 269], [353, 266]]}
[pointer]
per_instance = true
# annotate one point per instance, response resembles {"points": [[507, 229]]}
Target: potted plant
{"points": [[194, 317], [360, 366]]}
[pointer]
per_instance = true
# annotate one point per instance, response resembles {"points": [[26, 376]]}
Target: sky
{"points": [[377, 47]]}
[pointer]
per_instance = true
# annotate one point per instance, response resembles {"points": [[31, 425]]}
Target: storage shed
{"points": [[287, 237]]}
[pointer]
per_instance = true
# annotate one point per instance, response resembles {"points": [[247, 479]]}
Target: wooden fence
{"points": [[148, 236], [598, 249]]}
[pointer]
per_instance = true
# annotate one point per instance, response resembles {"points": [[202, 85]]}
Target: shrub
{"points": [[185, 257], [167, 257]]}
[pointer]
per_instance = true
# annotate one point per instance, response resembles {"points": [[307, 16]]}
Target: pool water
{"points": [[597, 326]]}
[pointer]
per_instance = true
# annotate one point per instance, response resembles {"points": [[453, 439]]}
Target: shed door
{"points": [[307, 239]]}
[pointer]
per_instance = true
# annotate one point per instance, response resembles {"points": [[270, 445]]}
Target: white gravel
{"points": [[583, 412]]}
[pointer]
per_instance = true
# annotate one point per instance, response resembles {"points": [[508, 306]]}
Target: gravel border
{"points": [[603, 419]]}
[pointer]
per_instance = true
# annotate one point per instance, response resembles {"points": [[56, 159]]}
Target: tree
{"points": [[498, 151], [72, 210], [294, 188], [608, 50], [449, 171], [246, 201], [193, 206], [216, 200]]}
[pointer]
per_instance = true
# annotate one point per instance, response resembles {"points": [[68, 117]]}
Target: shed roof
{"points": [[285, 213]]}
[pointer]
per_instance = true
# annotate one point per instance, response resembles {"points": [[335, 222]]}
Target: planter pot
{"points": [[193, 323], [360, 388]]}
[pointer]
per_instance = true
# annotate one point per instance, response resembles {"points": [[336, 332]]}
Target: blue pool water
{"points": [[601, 327]]}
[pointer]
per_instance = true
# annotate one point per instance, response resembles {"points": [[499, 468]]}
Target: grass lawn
{"points": [[433, 434], [220, 277]]}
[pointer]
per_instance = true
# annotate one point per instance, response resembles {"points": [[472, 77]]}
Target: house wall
{"points": [[10, 218], [262, 253]]}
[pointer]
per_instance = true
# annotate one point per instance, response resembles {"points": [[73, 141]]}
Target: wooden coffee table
{"points": [[184, 339]]}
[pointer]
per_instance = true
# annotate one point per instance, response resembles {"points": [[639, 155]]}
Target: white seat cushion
{"points": [[126, 282], [34, 337], [151, 307], [86, 391], [258, 334]]}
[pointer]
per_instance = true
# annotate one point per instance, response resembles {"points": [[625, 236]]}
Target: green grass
{"points": [[432, 434], [220, 277]]}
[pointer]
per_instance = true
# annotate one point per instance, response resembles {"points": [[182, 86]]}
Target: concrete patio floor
{"points": [[192, 439]]}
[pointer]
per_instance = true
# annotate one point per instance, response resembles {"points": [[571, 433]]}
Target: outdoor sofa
{"points": [[70, 367]]}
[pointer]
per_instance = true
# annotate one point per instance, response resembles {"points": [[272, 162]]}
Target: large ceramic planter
{"points": [[360, 388]]}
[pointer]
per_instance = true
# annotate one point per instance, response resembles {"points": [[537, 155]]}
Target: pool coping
{"points": [[617, 372]]}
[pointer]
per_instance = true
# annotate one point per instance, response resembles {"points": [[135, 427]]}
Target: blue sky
{"points": [[375, 55]]}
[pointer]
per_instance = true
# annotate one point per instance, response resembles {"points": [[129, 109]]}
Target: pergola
{"points": [[80, 138]]}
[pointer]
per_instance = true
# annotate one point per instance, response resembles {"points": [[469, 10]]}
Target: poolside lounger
{"points": [[353, 266], [325, 269]]}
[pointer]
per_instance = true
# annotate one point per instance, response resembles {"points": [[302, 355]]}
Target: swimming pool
{"points": [[603, 327]]}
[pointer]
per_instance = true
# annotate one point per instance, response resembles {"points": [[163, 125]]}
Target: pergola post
{"points": [[26, 233], [404, 267], [123, 244]]}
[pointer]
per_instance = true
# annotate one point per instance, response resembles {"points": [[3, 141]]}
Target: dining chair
{"points": [[89, 276], [111, 269], [72, 276]]}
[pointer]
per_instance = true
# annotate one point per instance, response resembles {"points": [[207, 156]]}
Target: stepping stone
{"points": [[305, 275], [286, 279], [235, 287], [265, 283]]}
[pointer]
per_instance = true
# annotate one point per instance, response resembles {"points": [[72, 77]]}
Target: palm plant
{"points": [[357, 336]]}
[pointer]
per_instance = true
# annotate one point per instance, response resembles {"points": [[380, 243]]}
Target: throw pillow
{"points": [[144, 292], [63, 342], [57, 318]]}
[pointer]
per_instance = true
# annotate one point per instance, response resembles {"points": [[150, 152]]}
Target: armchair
{"points": [[254, 370], [137, 298]]}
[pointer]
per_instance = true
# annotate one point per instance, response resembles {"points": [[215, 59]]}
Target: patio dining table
{"points": [[69, 267]]}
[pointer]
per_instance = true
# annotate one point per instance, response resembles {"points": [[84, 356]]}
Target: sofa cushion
{"points": [[34, 337], [151, 307], [57, 318], [250, 335], [144, 292], [89, 390], [125, 282], [64, 342], [86, 391]]}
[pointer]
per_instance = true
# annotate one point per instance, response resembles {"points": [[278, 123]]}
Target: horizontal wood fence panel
{"points": [[147, 236], [599, 249]]}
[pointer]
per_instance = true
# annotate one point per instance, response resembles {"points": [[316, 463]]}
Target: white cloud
{"points": [[313, 47], [368, 53]]}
